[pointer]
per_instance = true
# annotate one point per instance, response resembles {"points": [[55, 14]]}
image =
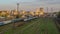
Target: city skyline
{"points": [[29, 4]]}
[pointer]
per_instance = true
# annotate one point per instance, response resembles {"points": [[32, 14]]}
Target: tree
{"points": [[17, 16]]}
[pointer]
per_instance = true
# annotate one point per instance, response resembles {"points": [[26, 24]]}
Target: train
{"points": [[1, 23], [30, 18], [9, 21], [16, 20]]}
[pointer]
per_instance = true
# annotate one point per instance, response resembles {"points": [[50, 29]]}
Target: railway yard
{"points": [[33, 26]]}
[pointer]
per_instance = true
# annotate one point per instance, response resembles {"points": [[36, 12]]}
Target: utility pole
{"points": [[47, 9], [52, 10]]}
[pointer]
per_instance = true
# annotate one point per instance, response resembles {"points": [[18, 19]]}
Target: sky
{"points": [[29, 4]]}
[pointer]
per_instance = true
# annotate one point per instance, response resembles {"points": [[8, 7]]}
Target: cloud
{"points": [[49, 1], [26, 0], [56, 2], [45, 0]]}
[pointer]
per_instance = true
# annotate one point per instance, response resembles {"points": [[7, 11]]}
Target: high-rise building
{"points": [[41, 11], [18, 7]]}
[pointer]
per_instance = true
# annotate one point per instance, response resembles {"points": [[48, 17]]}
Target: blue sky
{"points": [[29, 4]]}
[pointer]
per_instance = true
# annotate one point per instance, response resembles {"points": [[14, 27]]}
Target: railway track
{"points": [[37, 26], [10, 26], [42, 27], [57, 22]]}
